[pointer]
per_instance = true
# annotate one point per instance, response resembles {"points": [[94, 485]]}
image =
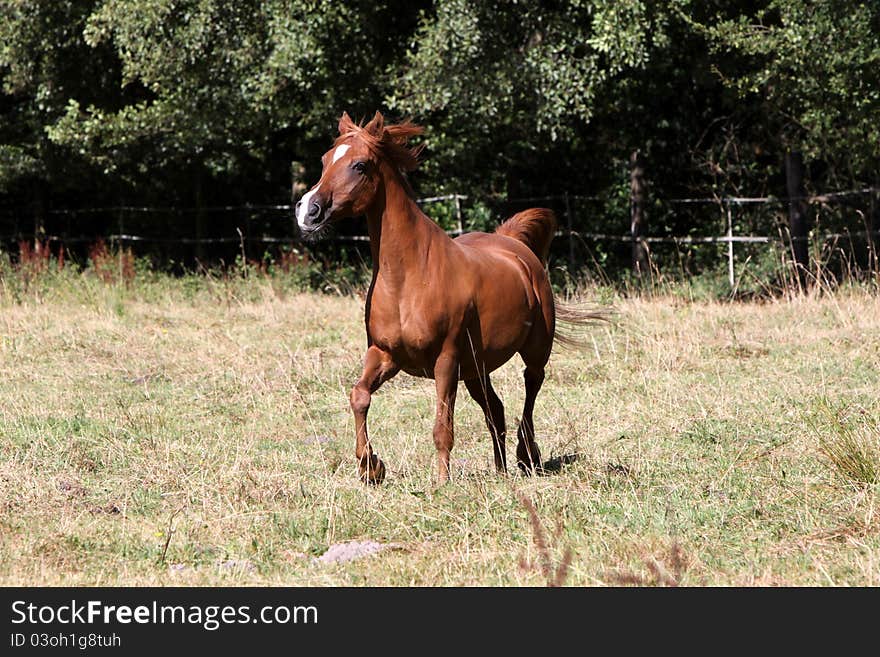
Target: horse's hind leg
{"points": [[484, 394], [528, 456], [535, 354], [378, 368]]}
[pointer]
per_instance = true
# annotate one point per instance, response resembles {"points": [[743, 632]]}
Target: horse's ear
{"points": [[376, 126], [345, 123]]}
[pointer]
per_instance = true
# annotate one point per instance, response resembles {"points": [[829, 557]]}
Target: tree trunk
{"points": [[199, 215], [638, 222], [874, 227], [798, 220], [41, 208]]}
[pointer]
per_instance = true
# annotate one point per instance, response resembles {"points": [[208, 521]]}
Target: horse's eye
{"points": [[360, 167]]}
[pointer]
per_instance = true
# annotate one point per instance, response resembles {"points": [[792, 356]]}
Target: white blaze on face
{"points": [[305, 201], [339, 152]]}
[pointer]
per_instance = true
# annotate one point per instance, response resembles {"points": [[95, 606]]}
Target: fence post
{"points": [[874, 227], [797, 212], [730, 276], [637, 212], [458, 213], [569, 221], [120, 230]]}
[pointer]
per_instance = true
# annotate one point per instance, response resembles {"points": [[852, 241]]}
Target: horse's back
{"points": [[488, 246], [494, 253]]}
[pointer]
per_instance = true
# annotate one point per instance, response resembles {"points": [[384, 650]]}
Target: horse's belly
{"points": [[417, 355], [471, 367], [468, 368]]}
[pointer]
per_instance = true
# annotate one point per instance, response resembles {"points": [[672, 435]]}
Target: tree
{"points": [[814, 67], [204, 102], [217, 84], [174, 102], [506, 83], [44, 61]]}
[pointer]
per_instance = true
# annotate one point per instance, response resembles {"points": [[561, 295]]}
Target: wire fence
{"points": [[260, 224]]}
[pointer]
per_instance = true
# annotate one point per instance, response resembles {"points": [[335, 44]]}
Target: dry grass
{"points": [[854, 445], [176, 432]]}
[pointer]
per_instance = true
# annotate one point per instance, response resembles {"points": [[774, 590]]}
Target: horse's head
{"points": [[355, 170]]}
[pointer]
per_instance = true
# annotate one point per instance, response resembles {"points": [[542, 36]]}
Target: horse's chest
{"points": [[410, 334]]}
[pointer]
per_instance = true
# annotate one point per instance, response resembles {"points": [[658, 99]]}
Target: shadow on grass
{"points": [[556, 464]]}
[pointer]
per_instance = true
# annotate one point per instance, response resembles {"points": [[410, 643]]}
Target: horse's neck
{"points": [[400, 234]]}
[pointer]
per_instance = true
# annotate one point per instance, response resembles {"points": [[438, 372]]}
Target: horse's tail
{"points": [[573, 321], [534, 227]]}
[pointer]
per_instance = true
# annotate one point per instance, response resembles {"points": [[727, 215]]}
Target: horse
{"points": [[446, 309]]}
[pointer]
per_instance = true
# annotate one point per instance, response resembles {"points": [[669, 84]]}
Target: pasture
{"points": [[196, 431]]}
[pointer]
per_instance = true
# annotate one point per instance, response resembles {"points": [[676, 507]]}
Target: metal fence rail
{"points": [[724, 204]]}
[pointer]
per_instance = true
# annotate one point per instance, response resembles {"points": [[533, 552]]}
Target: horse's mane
{"points": [[386, 141]]}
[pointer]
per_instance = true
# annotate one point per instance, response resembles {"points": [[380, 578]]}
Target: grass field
{"points": [[196, 431]]}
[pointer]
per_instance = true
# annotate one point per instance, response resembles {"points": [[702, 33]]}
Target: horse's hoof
{"points": [[530, 468], [530, 463], [374, 473]]}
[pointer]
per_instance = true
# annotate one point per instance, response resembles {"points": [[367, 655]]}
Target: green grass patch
{"points": [[196, 430]]}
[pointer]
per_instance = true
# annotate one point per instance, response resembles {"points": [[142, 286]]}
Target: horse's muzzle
{"points": [[312, 218], [314, 212]]}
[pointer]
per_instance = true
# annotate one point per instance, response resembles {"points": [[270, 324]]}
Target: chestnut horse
{"points": [[447, 309]]}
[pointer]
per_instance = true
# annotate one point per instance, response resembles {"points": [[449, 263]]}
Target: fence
{"points": [[247, 234]]}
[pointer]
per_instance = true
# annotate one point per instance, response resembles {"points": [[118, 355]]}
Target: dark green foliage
{"points": [[199, 104]]}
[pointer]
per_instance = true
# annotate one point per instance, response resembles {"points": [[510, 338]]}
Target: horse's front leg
{"points": [[446, 380], [378, 368]]}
